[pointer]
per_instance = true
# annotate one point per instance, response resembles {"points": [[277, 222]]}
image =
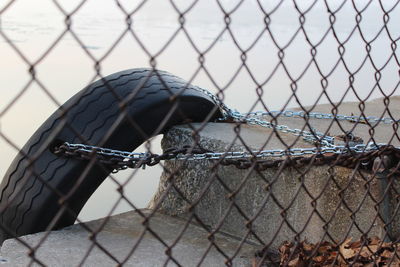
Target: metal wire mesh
{"points": [[300, 210]]}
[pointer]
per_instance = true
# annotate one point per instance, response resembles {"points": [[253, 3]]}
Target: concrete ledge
{"points": [[69, 246], [313, 203]]}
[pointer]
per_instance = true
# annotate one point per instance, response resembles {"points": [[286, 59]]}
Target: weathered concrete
{"points": [[279, 203], [69, 247]]}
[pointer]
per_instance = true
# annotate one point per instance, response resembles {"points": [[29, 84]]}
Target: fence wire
{"points": [[302, 177]]}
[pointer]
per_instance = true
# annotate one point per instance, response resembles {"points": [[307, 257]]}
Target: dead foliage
{"points": [[364, 252]]}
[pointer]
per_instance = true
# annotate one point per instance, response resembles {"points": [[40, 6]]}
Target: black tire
{"points": [[34, 183]]}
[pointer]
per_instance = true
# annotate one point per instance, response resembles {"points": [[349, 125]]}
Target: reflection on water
{"points": [[34, 27]]}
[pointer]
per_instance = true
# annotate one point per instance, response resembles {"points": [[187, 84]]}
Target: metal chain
{"points": [[310, 137], [250, 118], [198, 154], [231, 113], [119, 160], [318, 115], [313, 137]]}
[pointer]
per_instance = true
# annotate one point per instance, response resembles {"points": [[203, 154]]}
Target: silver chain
{"points": [[318, 115], [251, 118], [326, 142], [312, 137], [336, 149], [298, 114], [339, 149]]}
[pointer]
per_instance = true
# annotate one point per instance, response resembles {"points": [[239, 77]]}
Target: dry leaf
{"points": [[319, 259], [347, 242], [326, 244], [365, 252], [332, 256], [387, 254], [308, 247], [374, 241], [295, 262], [354, 245], [369, 264], [372, 249], [388, 245], [325, 248], [346, 251], [285, 247]]}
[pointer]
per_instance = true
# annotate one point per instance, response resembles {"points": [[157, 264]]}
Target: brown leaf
{"points": [[374, 248], [347, 242], [325, 248], [326, 244], [285, 247], [297, 262], [393, 259], [388, 245], [319, 259], [371, 264], [284, 251], [391, 264], [374, 241], [347, 252], [308, 247], [368, 252], [365, 253], [355, 245], [331, 257], [387, 254]]}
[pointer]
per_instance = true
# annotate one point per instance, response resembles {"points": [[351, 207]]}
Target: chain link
{"points": [[72, 149], [119, 160], [310, 137], [313, 136], [250, 118], [318, 115]]}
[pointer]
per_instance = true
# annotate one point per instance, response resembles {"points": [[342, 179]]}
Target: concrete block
{"points": [[312, 202]]}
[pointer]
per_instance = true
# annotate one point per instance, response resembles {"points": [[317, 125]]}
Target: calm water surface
{"points": [[34, 26]]}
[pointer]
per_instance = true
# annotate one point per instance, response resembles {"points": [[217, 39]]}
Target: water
{"points": [[34, 26]]}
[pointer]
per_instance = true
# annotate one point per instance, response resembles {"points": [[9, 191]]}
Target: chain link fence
{"points": [[288, 157]]}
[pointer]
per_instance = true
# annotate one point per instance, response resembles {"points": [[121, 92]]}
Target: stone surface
{"points": [[312, 203], [118, 236]]}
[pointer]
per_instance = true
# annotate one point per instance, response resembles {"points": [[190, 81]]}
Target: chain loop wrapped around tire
{"points": [[120, 160]]}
